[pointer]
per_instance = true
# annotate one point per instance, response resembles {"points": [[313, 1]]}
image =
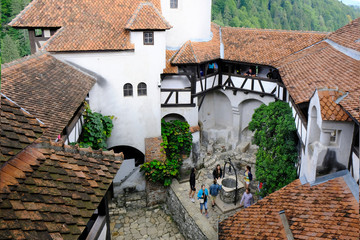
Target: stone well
{"points": [[228, 190]]}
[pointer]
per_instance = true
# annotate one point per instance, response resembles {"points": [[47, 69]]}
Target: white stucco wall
{"points": [[190, 21], [189, 113], [136, 117], [317, 140]]}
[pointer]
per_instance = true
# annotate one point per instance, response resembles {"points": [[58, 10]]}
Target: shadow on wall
{"points": [[330, 164]]}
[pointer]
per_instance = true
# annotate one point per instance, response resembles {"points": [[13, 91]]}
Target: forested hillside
{"points": [[14, 42], [316, 15]]}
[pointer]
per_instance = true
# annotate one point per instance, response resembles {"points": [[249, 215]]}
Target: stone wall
{"points": [[153, 149], [187, 226], [155, 193]]}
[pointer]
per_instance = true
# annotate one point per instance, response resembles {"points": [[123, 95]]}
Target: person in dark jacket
{"points": [[192, 185], [214, 191], [217, 173]]}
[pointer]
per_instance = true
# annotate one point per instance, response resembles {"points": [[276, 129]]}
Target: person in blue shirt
{"points": [[214, 191], [203, 194]]}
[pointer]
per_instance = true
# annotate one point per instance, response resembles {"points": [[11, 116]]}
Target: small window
{"points": [[128, 90], [142, 89], [148, 38], [173, 3], [38, 32], [333, 137]]}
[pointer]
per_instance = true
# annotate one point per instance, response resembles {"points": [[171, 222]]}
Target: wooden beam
{"points": [[242, 85], [261, 86], [178, 105], [168, 98]]}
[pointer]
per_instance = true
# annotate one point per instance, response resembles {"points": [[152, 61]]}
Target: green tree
{"points": [[275, 134], [9, 49]]}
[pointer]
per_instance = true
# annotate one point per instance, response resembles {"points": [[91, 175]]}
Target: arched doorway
{"points": [[246, 110], [130, 153]]}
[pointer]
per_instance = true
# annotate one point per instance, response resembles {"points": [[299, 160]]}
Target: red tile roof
{"points": [[263, 46], [330, 110], [85, 25], [146, 17], [325, 211], [321, 66], [50, 191], [47, 88], [18, 129], [169, 67], [197, 52], [348, 36]]}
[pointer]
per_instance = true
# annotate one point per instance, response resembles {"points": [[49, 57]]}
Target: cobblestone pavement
{"points": [[144, 223], [215, 215]]}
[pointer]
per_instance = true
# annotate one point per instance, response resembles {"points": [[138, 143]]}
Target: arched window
{"points": [[128, 90], [142, 89]]}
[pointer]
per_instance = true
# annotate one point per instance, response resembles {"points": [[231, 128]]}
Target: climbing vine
{"points": [[177, 141], [96, 129]]}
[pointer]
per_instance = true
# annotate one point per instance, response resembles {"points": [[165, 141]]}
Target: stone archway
{"points": [[130, 153], [246, 110], [173, 116]]}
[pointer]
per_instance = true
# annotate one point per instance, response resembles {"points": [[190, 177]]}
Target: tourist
{"points": [[192, 185], [214, 191], [247, 198], [248, 176], [217, 173], [202, 196], [250, 73], [270, 74]]}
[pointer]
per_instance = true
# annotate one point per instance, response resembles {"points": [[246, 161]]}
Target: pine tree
{"points": [[9, 49]]}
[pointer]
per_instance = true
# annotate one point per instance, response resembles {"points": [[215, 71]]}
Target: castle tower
{"points": [[191, 20]]}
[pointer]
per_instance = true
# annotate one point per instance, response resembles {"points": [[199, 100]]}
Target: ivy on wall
{"points": [[177, 141], [275, 134], [96, 129]]}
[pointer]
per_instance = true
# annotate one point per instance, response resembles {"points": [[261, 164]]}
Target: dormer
{"points": [[145, 22]]}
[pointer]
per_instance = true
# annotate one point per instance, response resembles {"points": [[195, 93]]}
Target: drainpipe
{"points": [[285, 223]]}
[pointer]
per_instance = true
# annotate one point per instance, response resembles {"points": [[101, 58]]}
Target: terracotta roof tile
{"points": [[321, 66], [263, 46], [348, 36], [49, 89], [330, 110], [324, 211], [13, 137], [56, 198], [197, 52], [146, 16], [85, 25]]}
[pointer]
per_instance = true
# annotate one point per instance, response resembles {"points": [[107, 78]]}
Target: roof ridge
{"points": [[276, 30], [141, 5], [46, 142], [22, 12]]}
